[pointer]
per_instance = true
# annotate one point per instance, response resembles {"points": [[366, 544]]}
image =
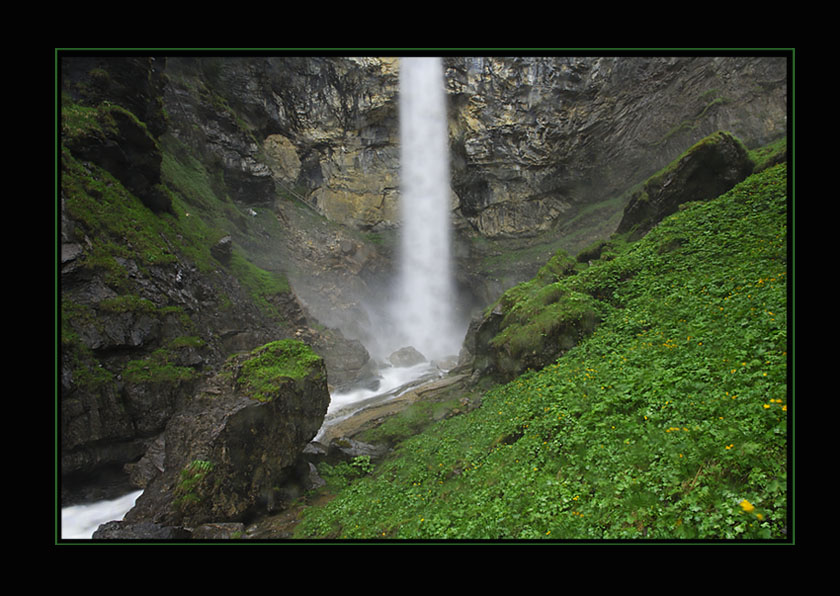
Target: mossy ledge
{"points": [[270, 366]]}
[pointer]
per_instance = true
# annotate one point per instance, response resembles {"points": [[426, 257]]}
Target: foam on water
{"points": [[81, 521]]}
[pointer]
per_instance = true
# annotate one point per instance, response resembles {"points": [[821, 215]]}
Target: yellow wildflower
{"points": [[747, 506]]}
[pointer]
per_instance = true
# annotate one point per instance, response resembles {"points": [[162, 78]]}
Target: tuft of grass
{"points": [[191, 477], [158, 367]]}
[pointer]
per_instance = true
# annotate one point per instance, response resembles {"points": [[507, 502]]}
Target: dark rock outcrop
{"points": [[232, 448], [125, 94], [148, 307], [705, 171], [476, 354]]}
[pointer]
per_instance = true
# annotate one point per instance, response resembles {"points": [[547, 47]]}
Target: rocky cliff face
{"points": [[534, 139], [537, 140], [195, 189], [322, 129], [155, 294], [543, 148]]}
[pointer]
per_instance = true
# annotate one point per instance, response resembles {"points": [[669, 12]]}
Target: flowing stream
{"points": [[81, 521], [424, 310]]}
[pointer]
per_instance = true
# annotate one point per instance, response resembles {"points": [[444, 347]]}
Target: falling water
{"points": [[81, 521], [424, 309]]}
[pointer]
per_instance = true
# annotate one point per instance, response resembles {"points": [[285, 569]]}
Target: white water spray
{"points": [[81, 521], [424, 310]]}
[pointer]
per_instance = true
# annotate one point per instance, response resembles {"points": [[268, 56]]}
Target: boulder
{"points": [[223, 249], [231, 448], [407, 356], [707, 170], [476, 354]]}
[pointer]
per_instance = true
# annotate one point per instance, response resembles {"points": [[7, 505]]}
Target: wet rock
{"points": [[139, 531], [223, 249], [476, 353], [150, 465], [223, 531], [407, 356], [346, 449]]}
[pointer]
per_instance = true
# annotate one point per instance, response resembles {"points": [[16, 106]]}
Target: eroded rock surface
{"points": [[231, 449]]}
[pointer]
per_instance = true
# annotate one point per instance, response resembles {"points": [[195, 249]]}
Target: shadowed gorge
{"points": [[489, 298]]}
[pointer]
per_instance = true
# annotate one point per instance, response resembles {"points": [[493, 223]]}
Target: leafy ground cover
{"points": [[671, 421]]}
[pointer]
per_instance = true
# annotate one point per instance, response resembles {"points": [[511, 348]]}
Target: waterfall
{"points": [[424, 310]]}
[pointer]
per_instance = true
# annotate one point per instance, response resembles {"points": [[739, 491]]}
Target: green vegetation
{"points": [[122, 239], [768, 155], [117, 224], [157, 368], [669, 422], [416, 417], [79, 121], [260, 284], [272, 365], [188, 489], [340, 474]]}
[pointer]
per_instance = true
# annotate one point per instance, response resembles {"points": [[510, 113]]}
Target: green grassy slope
{"points": [[670, 421]]}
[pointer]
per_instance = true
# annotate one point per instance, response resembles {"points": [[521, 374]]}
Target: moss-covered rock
{"points": [[113, 138], [269, 367], [542, 326], [233, 446], [708, 169]]}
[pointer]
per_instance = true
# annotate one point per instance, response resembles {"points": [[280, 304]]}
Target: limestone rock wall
{"points": [[321, 129], [536, 139], [541, 146]]}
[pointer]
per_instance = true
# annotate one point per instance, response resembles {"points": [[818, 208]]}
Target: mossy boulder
{"points": [[230, 450], [707, 170], [540, 327], [532, 323]]}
